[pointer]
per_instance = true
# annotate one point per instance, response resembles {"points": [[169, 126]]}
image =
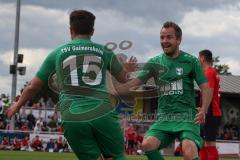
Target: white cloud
{"points": [[114, 21], [234, 65], [43, 28], [212, 22], [33, 58], [5, 83], [218, 30]]}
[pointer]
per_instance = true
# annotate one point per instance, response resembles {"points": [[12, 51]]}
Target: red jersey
{"points": [[5, 142], [16, 143], [24, 128], [25, 142], [37, 142], [214, 83], [139, 139], [130, 132]]}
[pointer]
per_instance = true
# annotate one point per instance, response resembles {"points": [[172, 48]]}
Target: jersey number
{"points": [[91, 69]]}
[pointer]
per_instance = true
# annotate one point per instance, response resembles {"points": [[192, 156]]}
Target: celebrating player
{"points": [[90, 125], [213, 117], [174, 73]]}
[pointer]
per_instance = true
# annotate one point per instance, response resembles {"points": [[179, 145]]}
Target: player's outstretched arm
{"points": [[129, 66], [207, 94], [126, 88], [31, 89]]}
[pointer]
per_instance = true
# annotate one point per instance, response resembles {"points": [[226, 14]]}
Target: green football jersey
{"points": [[174, 78], [81, 67]]}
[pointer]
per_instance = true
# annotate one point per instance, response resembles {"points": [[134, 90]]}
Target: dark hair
{"points": [[82, 21], [207, 54], [177, 29]]}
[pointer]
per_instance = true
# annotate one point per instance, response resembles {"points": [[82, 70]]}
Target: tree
{"points": [[222, 69]]}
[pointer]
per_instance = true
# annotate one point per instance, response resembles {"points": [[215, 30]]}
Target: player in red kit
{"points": [[16, 145], [130, 133], [213, 117]]}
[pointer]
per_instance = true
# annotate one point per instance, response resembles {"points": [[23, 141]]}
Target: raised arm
{"points": [[129, 66]]}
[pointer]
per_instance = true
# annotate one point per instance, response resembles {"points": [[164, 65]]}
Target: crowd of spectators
{"points": [[229, 132], [36, 144], [27, 121]]}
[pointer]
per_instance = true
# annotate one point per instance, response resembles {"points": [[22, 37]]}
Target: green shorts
{"points": [[90, 139], [167, 132]]}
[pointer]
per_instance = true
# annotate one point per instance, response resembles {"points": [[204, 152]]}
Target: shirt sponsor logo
{"points": [[179, 71], [172, 88]]}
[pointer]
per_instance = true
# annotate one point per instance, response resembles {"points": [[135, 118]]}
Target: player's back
{"points": [[81, 67], [214, 82]]}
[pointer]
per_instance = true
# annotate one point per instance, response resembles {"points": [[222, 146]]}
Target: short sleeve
{"points": [[198, 72], [211, 77], [47, 67], [146, 71]]}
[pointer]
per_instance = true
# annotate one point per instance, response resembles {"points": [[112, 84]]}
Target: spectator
{"points": [[42, 103], [23, 116], [25, 144], [55, 116], [36, 144], [235, 135], [59, 144], [50, 146], [49, 103], [60, 129], [40, 121], [2, 122], [17, 122], [52, 125], [31, 119], [37, 128], [1, 106], [225, 135], [44, 126], [65, 146], [6, 101], [5, 144], [16, 145], [234, 132], [178, 150], [24, 127], [2, 125]]}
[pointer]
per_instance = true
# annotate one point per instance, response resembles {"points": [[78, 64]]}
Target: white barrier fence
{"points": [[225, 147], [228, 147]]}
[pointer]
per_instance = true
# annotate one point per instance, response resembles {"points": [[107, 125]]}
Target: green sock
{"points": [[154, 155], [196, 158]]}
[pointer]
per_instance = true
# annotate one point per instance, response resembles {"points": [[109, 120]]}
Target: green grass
{"points": [[22, 155]]}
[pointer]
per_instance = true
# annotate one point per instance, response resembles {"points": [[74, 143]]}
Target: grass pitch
{"points": [[23, 155]]}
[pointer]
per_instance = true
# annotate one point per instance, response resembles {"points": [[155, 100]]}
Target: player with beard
{"points": [[174, 72]]}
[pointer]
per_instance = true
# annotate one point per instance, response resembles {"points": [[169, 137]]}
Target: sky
{"points": [[206, 24]]}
